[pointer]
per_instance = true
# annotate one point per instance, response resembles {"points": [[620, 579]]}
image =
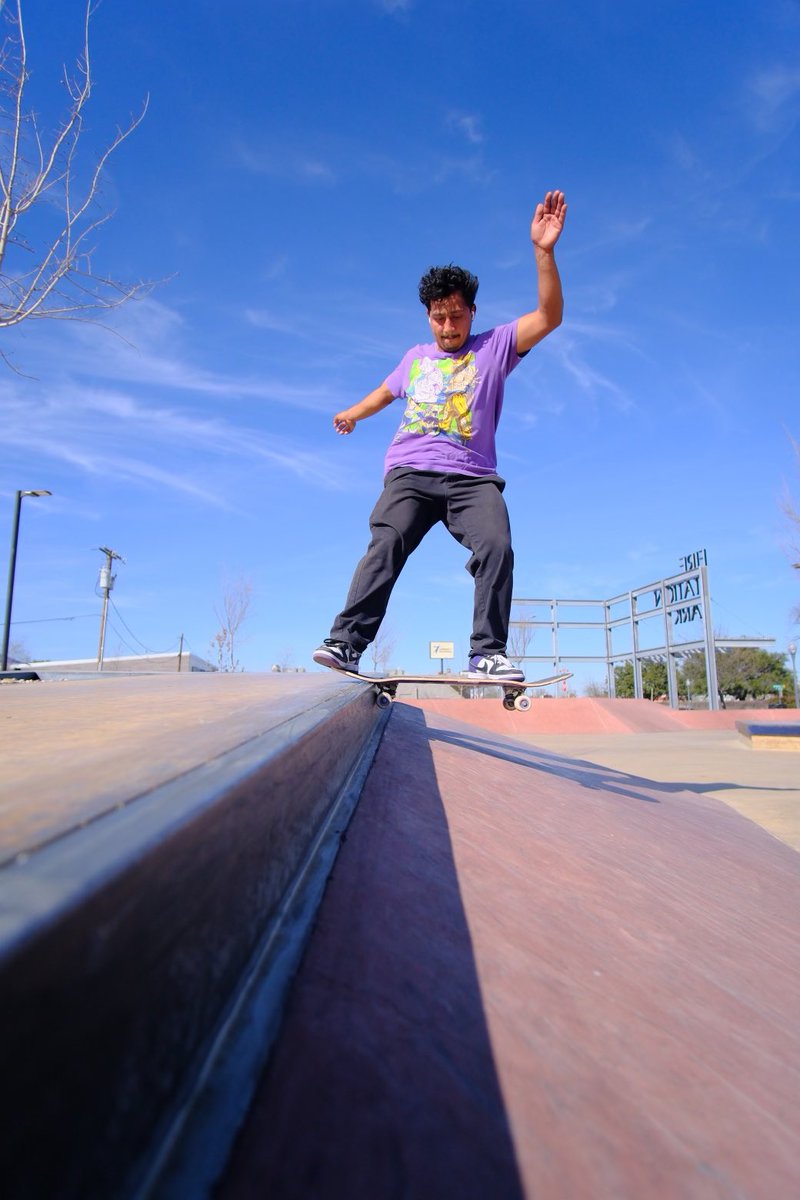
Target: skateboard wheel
{"points": [[522, 703], [383, 699], [509, 703]]}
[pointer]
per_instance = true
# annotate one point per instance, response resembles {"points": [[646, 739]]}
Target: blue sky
{"points": [[299, 167]]}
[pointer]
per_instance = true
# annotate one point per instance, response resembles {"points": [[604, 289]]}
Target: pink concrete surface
{"points": [[536, 977], [584, 715], [727, 718]]}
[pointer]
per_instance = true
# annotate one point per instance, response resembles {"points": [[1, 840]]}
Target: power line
{"points": [[121, 638], [730, 613], [48, 620], [147, 649]]}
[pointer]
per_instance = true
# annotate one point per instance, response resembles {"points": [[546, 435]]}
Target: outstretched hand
{"points": [[548, 221]]}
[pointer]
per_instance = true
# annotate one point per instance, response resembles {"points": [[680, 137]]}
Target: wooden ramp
{"points": [[164, 843], [536, 977]]}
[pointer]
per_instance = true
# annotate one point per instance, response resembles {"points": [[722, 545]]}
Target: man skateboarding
{"points": [[442, 463]]}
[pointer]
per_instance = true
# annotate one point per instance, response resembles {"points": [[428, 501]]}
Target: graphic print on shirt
{"points": [[439, 398]]}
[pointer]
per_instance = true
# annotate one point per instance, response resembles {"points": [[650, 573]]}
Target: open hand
{"points": [[548, 221]]}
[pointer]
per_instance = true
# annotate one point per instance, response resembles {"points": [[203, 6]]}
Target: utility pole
{"points": [[106, 583]]}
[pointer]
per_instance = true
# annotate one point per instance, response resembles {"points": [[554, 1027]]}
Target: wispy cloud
{"points": [[687, 156], [59, 439], [604, 333], [433, 169], [615, 234], [589, 378], [598, 295], [472, 168], [110, 433], [262, 318], [712, 399], [276, 268], [147, 348], [358, 161], [773, 96], [467, 124], [282, 162]]}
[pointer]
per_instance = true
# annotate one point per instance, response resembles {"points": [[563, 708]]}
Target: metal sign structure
{"points": [[653, 621]]}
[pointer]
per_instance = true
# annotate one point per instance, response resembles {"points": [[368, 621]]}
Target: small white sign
{"points": [[443, 650]]}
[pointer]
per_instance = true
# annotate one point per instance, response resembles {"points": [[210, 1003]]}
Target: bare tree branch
{"points": [[380, 651], [236, 597], [41, 176], [520, 636]]}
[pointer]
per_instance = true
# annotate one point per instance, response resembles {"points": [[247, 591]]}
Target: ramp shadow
{"points": [[383, 1083], [591, 775]]}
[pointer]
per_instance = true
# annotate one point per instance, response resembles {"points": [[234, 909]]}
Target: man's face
{"points": [[451, 321]]}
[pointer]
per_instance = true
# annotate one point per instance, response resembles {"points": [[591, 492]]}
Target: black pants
{"points": [[473, 509]]}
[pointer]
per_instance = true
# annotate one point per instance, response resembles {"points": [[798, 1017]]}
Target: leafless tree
{"points": [[520, 635], [285, 660], [18, 652], [231, 614], [50, 206], [381, 650]]}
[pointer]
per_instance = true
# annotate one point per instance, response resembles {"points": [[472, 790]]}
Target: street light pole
{"points": [[12, 567], [793, 653]]}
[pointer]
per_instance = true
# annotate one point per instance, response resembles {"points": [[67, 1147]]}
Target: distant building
{"points": [[133, 664]]}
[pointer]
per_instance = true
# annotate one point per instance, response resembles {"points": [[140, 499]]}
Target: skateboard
{"points": [[513, 692]]}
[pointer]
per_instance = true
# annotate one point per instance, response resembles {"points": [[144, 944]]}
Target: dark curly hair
{"points": [[440, 282]]}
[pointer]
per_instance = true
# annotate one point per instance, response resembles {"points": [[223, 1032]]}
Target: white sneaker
{"points": [[497, 668]]}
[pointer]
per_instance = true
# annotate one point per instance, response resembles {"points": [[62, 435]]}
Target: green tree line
{"points": [[742, 673]]}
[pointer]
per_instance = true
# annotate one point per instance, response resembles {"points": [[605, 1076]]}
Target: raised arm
{"points": [[546, 227], [345, 422]]}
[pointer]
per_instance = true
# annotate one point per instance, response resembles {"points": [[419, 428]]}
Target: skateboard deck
{"points": [[513, 690]]}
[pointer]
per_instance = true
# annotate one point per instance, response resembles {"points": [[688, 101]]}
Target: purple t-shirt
{"points": [[452, 403]]}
